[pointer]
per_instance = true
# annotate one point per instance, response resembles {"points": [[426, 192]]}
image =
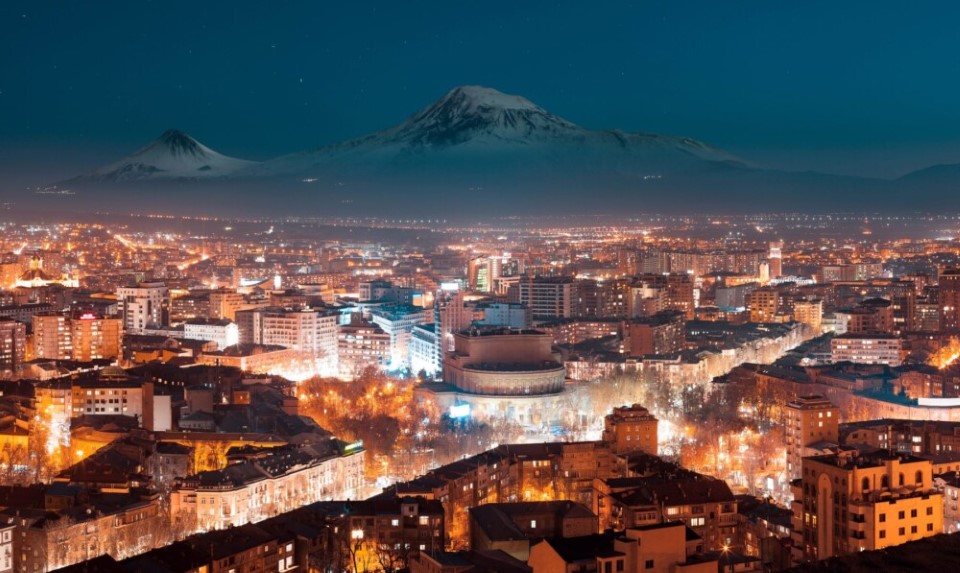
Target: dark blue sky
{"points": [[851, 87]]}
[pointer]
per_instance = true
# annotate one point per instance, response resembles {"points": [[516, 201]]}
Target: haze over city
{"points": [[435, 287]]}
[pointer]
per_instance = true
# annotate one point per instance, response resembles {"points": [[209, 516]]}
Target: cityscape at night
{"points": [[479, 287]]}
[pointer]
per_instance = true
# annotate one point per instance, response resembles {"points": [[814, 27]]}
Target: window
{"points": [[424, 520], [929, 527], [395, 522], [648, 564], [883, 534], [919, 477], [901, 515], [913, 529], [533, 524], [902, 531], [929, 511], [697, 522], [619, 564], [913, 513], [883, 518]]}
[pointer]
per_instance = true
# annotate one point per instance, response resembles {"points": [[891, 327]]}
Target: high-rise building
{"points": [[775, 259], [83, 336], [13, 344], [950, 299], [809, 312], [95, 337], [811, 422], [549, 297], [142, 306], [763, 304]]}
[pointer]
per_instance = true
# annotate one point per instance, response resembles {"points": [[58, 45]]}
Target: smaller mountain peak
{"points": [[178, 142]]}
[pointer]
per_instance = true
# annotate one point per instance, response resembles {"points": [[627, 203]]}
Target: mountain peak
{"points": [[475, 97], [172, 155], [177, 142], [469, 112]]}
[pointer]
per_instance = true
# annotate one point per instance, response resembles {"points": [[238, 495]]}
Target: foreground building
{"points": [[848, 502], [279, 482]]}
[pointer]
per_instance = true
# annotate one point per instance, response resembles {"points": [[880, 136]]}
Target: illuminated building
{"points": [[189, 306], [115, 524], [223, 332], [809, 312], [949, 287], [398, 322], [575, 330], [143, 306], [84, 336], [703, 503], [95, 337], [504, 362], [866, 349], [871, 316], [257, 358], [484, 273], [763, 304], [396, 530], [548, 297], [13, 344], [848, 502], [36, 277], [425, 350], [631, 428], [310, 333], [51, 336], [224, 303], [679, 288], [111, 392], [360, 346], [662, 333], [281, 481], [810, 426], [776, 259]]}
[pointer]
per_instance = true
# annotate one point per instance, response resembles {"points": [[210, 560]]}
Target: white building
{"points": [[310, 333], [143, 305], [223, 332], [398, 321]]}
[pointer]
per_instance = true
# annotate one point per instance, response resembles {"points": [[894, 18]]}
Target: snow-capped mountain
{"points": [[479, 151], [173, 155], [475, 128]]}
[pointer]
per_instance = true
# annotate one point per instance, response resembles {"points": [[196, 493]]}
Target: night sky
{"points": [[867, 88]]}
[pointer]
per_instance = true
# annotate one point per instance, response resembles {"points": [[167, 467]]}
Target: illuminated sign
{"points": [[88, 316], [459, 411], [353, 447]]}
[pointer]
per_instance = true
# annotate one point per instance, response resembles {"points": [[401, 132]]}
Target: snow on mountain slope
{"points": [[173, 155], [475, 127]]}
